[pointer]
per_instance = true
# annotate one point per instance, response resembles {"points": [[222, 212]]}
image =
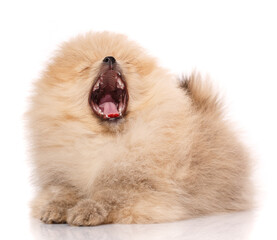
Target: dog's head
{"points": [[99, 78]]}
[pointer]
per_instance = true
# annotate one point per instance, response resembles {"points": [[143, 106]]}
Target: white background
{"points": [[235, 42]]}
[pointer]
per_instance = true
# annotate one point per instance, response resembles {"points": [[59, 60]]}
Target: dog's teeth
{"points": [[120, 84], [96, 86], [119, 74], [120, 108], [100, 112]]}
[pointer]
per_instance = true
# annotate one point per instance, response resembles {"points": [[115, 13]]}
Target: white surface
{"points": [[232, 226], [234, 42]]}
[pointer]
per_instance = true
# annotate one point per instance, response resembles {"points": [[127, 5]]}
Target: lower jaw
{"points": [[109, 112], [109, 117]]}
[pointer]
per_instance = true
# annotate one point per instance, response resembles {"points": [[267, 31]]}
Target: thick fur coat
{"points": [[171, 157]]}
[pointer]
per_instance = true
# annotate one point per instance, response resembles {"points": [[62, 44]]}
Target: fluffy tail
{"points": [[202, 93]]}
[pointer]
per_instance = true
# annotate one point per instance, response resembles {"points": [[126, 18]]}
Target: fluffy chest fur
{"points": [[154, 136]]}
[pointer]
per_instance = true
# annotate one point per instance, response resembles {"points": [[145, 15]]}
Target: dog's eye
{"points": [[83, 69]]}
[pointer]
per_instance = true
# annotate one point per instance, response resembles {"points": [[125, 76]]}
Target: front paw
{"points": [[53, 212], [86, 213]]}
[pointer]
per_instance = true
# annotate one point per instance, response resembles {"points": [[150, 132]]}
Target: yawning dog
{"points": [[118, 139]]}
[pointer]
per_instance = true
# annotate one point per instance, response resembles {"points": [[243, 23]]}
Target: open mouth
{"points": [[109, 95]]}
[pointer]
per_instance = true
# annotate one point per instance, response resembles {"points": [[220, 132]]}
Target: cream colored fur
{"points": [[172, 157]]}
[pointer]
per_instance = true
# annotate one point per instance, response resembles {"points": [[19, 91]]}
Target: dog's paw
{"points": [[53, 212], [86, 213]]}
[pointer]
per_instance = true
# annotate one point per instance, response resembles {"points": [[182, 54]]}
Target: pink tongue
{"points": [[109, 108]]}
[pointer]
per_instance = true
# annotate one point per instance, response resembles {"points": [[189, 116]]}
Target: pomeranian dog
{"points": [[118, 139]]}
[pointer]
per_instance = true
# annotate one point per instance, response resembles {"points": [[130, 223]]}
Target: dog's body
{"points": [[170, 157]]}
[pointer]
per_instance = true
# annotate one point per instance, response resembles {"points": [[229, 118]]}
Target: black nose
{"points": [[109, 59]]}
